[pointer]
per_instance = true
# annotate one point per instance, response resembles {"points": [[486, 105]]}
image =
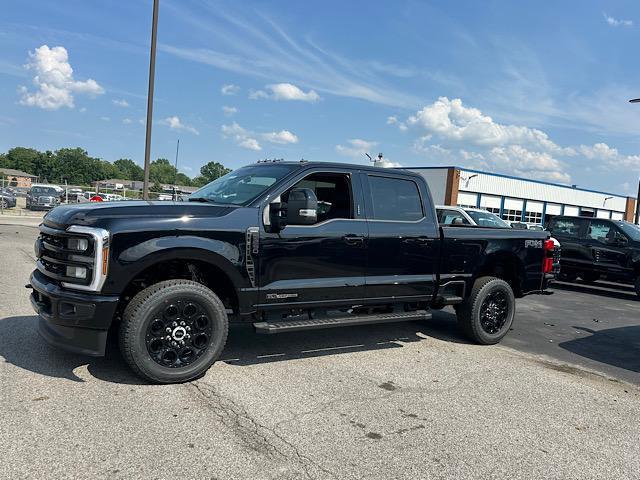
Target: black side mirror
{"points": [[302, 207]]}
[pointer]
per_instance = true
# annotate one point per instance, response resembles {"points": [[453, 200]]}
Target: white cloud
{"points": [[453, 133], [126, 121], [281, 137], [228, 111], [229, 89], [614, 22], [451, 120], [357, 148], [250, 143], [285, 91], [105, 119], [241, 136], [120, 103], [257, 94], [54, 82], [175, 123], [610, 156], [393, 120], [83, 109]]}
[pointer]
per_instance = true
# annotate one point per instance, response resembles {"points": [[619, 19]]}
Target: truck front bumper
{"points": [[73, 321]]}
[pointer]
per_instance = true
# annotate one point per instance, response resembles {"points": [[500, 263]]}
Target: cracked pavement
{"points": [[405, 401]]}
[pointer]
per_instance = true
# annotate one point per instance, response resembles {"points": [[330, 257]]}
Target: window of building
{"points": [[395, 199], [492, 210], [512, 215], [333, 191], [533, 217]]}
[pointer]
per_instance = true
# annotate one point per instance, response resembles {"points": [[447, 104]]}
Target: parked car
{"points": [[594, 248], [7, 200], [43, 197], [526, 226], [285, 246], [451, 215]]}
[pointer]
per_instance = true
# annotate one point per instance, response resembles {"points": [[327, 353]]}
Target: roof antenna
{"points": [[368, 156]]}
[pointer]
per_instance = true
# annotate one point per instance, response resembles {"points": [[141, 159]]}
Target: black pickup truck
{"points": [[285, 246], [594, 248]]}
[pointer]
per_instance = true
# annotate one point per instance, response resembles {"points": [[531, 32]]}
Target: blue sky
{"points": [[537, 89]]}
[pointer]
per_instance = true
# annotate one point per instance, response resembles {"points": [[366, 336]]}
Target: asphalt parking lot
{"points": [[559, 398]]}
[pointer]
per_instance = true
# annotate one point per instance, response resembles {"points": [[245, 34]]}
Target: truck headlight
{"points": [[78, 244], [76, 272]]}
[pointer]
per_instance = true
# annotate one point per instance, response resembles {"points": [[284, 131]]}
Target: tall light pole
{"points": [[637, 100], [152, 74]]}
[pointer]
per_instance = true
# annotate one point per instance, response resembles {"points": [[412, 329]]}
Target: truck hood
{"points": [[97, 213]]}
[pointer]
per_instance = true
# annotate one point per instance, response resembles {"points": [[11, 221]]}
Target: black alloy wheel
{"points": [[494, 312], [173, 331], [179, 333]]}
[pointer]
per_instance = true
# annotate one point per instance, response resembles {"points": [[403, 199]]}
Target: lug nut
{"points": [[188, 329], [174, 324], [182, 324], [174, 343], [187, 336], [168, 337], [168, 330]]}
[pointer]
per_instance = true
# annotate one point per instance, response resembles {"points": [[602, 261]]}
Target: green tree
{"points": [[199, 181], [129, 170], [156, 187], [213, 170], [21, 158], [162, 171]]}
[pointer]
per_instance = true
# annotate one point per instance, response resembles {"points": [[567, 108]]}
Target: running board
{"points": [[331, 322]]}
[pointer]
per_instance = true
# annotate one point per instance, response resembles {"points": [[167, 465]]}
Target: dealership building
{"points": [[520, 199]]}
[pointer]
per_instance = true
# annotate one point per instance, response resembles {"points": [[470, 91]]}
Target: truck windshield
{"points": [[487, 219], [243, 185], [630, 229]]}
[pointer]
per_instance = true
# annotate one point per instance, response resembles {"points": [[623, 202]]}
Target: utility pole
{"points": [[2, 199], [175, 176], [152, 74], [637, 215]]}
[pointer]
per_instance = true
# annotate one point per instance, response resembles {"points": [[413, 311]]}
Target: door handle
{"points": [[425, 240], [351, 239]]}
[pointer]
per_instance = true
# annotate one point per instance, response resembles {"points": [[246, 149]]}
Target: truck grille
{"points": [[53, 256]]}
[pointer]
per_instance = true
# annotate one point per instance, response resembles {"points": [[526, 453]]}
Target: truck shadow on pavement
{"points": [[623, 292], [604, 346], [24, 348]]}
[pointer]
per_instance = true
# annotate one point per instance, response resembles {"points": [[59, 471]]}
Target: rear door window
{"points": [[448, 217], [600, 231], [395, 199], [569, 227]]}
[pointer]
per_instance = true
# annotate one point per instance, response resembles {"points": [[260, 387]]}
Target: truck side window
{"points": [[395, 199], [565, 226], [333, 191], [448, 217], [600, 231]]}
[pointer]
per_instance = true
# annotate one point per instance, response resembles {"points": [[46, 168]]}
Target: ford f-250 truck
{"points": [[286, 246]]}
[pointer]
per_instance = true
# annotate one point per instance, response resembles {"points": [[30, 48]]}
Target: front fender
{"points": [[128, 261]]}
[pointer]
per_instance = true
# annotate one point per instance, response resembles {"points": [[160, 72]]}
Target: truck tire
{"points": [[173, 331], [487, 314], [637, 285]]}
